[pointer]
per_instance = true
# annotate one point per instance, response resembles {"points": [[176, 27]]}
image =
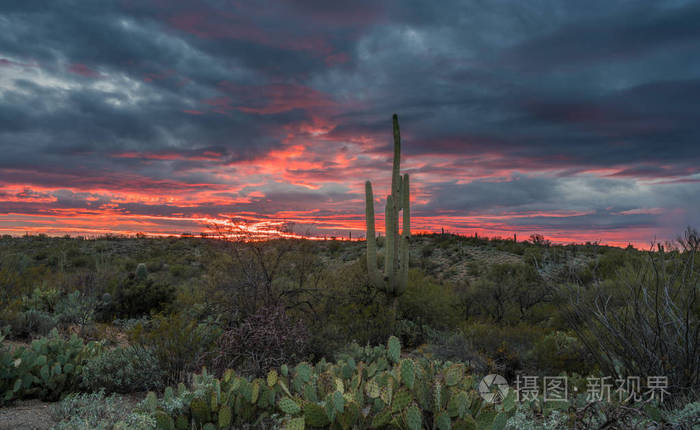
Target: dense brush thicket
{"points": [[125, 315]]}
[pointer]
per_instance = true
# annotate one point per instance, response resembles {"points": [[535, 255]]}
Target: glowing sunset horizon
{"points": [[579, 123]]}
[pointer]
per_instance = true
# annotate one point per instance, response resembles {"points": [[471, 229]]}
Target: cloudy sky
{"points": [[576, 120]]}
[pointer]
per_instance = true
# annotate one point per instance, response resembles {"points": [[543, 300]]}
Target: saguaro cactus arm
{"points": [[390, 253], [405, 235], [396, 168], [374, 276], [406, 206]]}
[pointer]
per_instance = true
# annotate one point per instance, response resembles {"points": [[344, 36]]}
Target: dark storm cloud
{"points": [[646, 28], [484, 196], [187, 96]]}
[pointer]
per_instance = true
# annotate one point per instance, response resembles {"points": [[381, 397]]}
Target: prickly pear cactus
{"points": [[225, 417], [454, 374], [414, 418], [200, 410], [372, 389], [443, 422], [399, 393], [394, 349], [288, 406], [272, 378], [437, 396], [407, 373], [338, 402], [151, 402], [164, 421], [315, 415], [295, 424]]}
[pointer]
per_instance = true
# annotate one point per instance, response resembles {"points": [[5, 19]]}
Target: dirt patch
{"points": [[27, 415]]}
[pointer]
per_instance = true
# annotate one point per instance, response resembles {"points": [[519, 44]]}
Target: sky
{"points": [[576, 120]]}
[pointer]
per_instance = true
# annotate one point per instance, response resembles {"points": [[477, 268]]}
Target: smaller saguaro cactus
{"points": [[396, 256], [141, 272]]}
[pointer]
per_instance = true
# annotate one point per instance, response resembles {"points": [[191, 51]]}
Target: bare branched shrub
{"points": [[646, 322], [265, 340], [264, 270]]}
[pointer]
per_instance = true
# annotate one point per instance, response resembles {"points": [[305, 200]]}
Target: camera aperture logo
{"points": [[493, 388]]}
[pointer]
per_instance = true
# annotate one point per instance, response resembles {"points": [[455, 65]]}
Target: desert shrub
{"points": [[44, 300], [607, 264], [262, 341], [494, 298], [503, 347], [646, 320], [475, 268], [508, 292], [412, 334], [505, 361], [578, 413], [252, 274], [30, 323], [96, 411], [559, 351], [367, 353], [350, 309], [427, 302], [140, 296], [123, 370], [130, 323], [349, 319], [75, 308], [454, 346], [534, 255], [178, 341], [45, 309], [687, 416]]}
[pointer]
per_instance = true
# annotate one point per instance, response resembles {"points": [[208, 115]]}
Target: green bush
{"points": [[504, 347], [508, 292], [179, 342], [42, 300], [427, 302], [350, 309], [454, 346], [413, 334], [559, 351], [75, 308], [30, 323], [140, 296], [123, 370], [45, 309], [366, 353]]}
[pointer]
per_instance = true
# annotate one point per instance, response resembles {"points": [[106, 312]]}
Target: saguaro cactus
{"points": [[396, 255]]}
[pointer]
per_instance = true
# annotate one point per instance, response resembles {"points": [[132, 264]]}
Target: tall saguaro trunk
{"points": [[396, 255]]}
